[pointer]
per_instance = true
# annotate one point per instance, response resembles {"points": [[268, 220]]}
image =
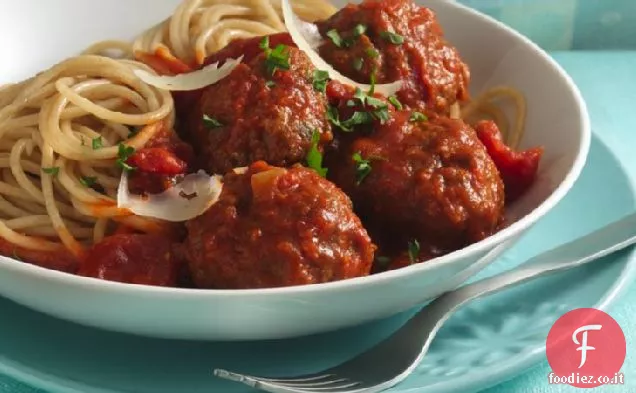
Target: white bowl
{"points": [[557, 120]]}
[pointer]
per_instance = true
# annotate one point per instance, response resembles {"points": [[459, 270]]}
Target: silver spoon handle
{"points": [[607, 240]]}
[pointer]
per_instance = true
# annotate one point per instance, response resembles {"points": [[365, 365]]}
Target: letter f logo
{"points": [[583, 344]]}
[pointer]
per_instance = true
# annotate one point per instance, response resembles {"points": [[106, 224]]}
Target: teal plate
{"points": [[485, 343]]}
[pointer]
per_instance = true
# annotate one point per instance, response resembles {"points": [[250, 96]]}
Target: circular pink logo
{"points": [[586, 348]]}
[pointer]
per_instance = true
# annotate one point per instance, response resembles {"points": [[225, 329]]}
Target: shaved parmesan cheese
{"points": [[310, 32], [306, 41], [189, 199], [240, 171], [195, 80]]}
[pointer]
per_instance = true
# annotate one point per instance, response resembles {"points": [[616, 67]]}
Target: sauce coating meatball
{"points": [[260, 112], [414, 179], [275, 227], [397, 40]]}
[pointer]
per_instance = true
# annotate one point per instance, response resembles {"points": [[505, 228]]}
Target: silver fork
{"points": [[392, 360]]}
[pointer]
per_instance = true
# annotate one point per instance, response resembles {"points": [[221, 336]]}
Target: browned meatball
{"points": [[429, 181], [397, 40], [257, 113], [275, 227]]}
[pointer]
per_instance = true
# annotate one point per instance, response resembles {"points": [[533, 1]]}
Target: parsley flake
{"points": [[382, 114], [270, 84], [372, 53], [53, 171], [363, 167], [358, 63], [88, 181], [372, 82], [123, 154], [417, 117], [375, 102], [97, 143], [335, 37], [320, 80], [393, 38], [358, 118], [264, 44], [359, 30], [396, 103], [210, 122], [314, 156], [275, 59], [414, 250]]}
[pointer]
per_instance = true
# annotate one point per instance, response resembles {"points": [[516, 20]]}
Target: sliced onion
{"points": [[189, 199], [195, 80], [304, 38]]}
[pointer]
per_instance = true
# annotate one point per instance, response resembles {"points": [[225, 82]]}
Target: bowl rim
{"points": [[512, 230]]}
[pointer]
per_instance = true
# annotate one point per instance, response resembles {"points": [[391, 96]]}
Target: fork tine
{"points": [[310, 384], [307, 378], [328, 389], [335, 385]]}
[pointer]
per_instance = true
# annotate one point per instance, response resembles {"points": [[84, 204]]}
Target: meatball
{"points": [[260, 112], [133, 259], [421, 182], [275, 227], [397, 40]]}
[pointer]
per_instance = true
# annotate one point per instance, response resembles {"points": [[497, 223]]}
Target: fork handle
{"points": [[605, 241]]}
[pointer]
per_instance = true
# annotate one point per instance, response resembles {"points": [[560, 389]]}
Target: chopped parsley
{"points": [[363, 167], [335, 37], [359, 30], [97, 143], [358, 118], [380, 108], [358, 63], [270, 84], [264, 44], [53, 171], [375, 102], [320, 80], [88, 181], [123, 154], [314, 156], [340, 42], [359, 95], [396, 103], [372, 53], [417, 117], [414, 250], [372, 82], [393, 38], [210, 122], [379, 111], [382, 114], [275, 59]]}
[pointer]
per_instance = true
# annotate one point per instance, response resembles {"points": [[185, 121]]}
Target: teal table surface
{"points": [[608, 83]]}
